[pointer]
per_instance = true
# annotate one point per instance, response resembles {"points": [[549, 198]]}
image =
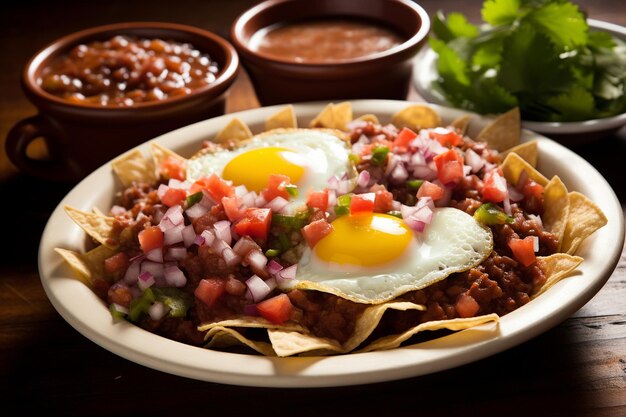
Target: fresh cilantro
{"points": [[538, 55]]}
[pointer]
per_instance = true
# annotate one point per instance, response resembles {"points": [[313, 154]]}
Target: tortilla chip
{"points": [[334, 116], [133, 166], [224, 337], [585, 217], [369, 118], [556, 267], [250, 322], [504, 132], [160, 154], [556, 208], [416, 117], [95, 225], [460, 124], [236, 130], [513, 166], [285, 118], [394, 341], [87, 265], [527, 150]]}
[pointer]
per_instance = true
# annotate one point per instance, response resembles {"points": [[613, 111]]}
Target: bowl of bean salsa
{"points": [[107, 89]]}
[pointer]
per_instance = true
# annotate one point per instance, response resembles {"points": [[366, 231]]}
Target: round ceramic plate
{"points": [[89, 315], [425, 73]]}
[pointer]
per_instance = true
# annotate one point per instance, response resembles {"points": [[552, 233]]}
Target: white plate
{"points": [[425, 73], [89, 315]]}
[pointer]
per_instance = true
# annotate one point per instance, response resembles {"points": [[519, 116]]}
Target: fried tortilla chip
{"points": [[416, 117], [236, 130], [585, 217], [528, 151], [334, 116], [394, 341], [369, 118], [250, 322], [461, 124], [285, 118], [224, 337], [133, 166], [556, 208], [97, 226], [556, 267], [89, 265], [504, 132], [513, 166], [160, 154]]}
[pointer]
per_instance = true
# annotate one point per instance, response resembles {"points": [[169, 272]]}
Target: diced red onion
{"points": [[154, 268], [258, 288], [222, 230], [196, 211], [271, 283], [219, 245], [189, 235], [241, 190], [332, 198], [399, 173], [208, 236], [248, 199], [467, 170], [277, 204], [178, 184], [165, 224], [132, 272], [417, 217], [175, 214], [536, 243], [157, 310], [158, 213], [145, 280], [257, 261], [424, 172], [260, 201], [333, 183], [273, 267], [506, 204], [417, 159], [345, 186], [244, 245], [174, 276], [364, 178], [162, 190], [286, 274], [536, 218], [514, 194], [206, 201], [175, 253], [475, 161], [230, 257], [155, 255], [173, 235]]}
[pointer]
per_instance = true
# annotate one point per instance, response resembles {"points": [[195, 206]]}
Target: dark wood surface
{"points": [[575, 369]]}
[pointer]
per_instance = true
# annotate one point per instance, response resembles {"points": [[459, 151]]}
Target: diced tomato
{"points": [[449, 166], [172, 167], [523, 250], [232, 208], [494, 186], [446, 137], [428, 189], [362, 203], [173, 196], [116, 264], [255, 223], [215, 186], [317, 199], [150, 238], [383, 201], [276, 187], [315, 231], [466, 306], [276, 309], [404, 138], [532, 189], [209, 290]]}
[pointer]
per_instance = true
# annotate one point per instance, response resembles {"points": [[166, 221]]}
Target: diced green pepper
{"points": [[395, 213], [292, 189], [379, 155], [141, 304], [175, 299], [271, 253], [194, 198], [343, 204], [489, 214], [414, 184], [116, 313]]}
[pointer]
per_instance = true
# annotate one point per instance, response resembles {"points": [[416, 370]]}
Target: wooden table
{"points": [[575, 369]]}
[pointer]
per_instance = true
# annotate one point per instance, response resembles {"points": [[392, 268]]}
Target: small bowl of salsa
{"points": [[316, 50], [106, 89]]}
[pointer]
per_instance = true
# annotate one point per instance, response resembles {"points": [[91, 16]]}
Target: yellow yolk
{"points": [[253, 168], [364, 240]]}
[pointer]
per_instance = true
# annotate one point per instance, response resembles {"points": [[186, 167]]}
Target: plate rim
{"points": [[460, 348]]}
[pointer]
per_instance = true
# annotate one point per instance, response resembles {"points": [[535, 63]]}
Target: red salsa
{"points": [[126, 70], [324, 41]]}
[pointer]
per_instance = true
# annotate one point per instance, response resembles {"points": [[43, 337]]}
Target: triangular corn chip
{"points": [[528, 151], [504, 132], [99, 227], [556, 267], [236, 130], [133, 167], [585, 217], [513, 166], [285, 118], [460, 124], [556, 207], [416, 117]]}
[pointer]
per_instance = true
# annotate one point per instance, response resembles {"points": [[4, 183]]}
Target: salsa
{"points": [[126, 70], [324, 41]]}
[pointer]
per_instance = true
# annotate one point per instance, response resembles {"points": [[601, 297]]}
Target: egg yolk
{"points": [[364, 240], [253, 168]]}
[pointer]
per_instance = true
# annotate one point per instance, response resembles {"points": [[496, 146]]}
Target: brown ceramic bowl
{"points": [[80, 136], [385, 74]]}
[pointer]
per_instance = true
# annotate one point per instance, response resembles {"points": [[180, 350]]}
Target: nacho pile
{"points": [[240, 245]]}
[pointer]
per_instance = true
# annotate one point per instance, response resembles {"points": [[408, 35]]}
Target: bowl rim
{"points": [[237, 38], [224, 79], [582, 126]]}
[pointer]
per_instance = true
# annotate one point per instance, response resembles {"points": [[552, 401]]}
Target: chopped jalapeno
{"points": [[490, 214], [271, 253], [175, 299], [379, 154], [292, 189], [141, 304], [194, 198], [414, 184]]}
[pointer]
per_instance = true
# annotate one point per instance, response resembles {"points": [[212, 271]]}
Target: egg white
{"points": [[452, 242], [324, 153]]}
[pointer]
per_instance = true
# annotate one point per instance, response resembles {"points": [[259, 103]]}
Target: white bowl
{"points": [[425, 73], [82, 309]]}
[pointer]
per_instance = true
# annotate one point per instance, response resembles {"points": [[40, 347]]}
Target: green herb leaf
{"points": [[562, 23], [500, 12], [573, 105]]}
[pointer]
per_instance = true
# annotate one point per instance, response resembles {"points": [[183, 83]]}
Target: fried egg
{"points": [[373, 258], [309, 157]]}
